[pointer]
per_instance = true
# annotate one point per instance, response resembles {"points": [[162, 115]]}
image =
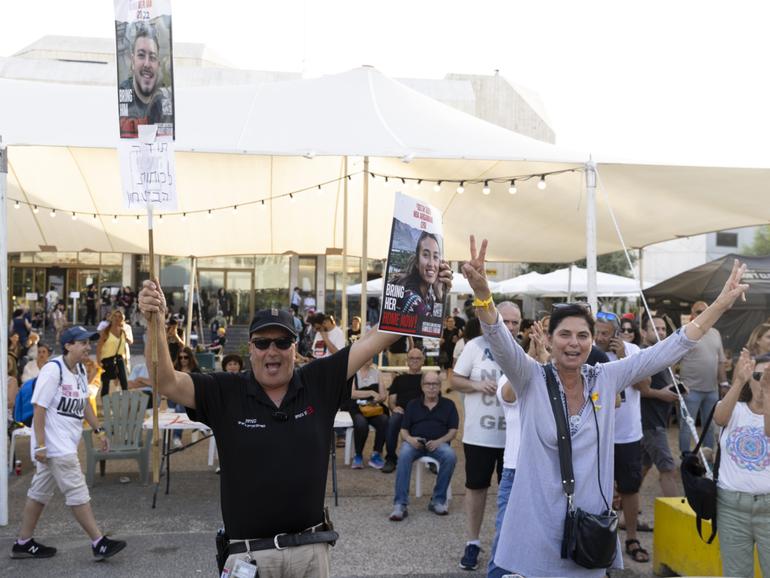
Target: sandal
{"points": [[638, 554], [640, 526]]}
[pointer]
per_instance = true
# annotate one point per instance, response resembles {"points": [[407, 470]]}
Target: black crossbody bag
{"points": [[590, 540]]}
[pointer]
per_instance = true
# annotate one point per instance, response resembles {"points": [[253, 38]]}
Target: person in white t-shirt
{"points": [[743, 485], [60, 404], [628, 432], [329, 338], [475, 375], [32, 368]]}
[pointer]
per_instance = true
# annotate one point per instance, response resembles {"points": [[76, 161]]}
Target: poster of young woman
{"points": [[413, 299]]}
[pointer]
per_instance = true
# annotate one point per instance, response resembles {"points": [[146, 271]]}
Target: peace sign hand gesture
{"points": [[474, 271]]}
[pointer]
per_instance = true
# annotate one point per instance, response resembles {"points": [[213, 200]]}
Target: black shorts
{"points": [[480, 462], [628, 467]]}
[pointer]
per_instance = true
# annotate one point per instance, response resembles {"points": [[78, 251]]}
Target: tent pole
{"points": [[590, 168], [344, 319], [569, 283], [190, 294], [364, 247], [3, 330]]}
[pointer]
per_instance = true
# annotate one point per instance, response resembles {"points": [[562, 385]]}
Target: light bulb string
{"points": [[403, 180]]}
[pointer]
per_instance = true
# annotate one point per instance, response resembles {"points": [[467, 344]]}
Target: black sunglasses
{"points": [[757, 375], [627, 329], [264, 343]]}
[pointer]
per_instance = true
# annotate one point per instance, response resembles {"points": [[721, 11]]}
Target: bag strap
{"points": [[563, 437]]}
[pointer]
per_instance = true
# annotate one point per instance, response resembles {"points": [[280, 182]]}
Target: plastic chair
{"points": [[124, 413], [426, 461]]}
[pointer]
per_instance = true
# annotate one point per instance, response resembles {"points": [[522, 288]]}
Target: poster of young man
{"points": [[145, 66], [413, 300]]}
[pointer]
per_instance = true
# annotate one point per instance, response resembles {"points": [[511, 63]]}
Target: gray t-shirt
{"points": [[698, 370], [533, 526]]}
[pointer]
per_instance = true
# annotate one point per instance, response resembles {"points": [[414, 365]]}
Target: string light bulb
{"points": [[138, 220], [512, 189], [486, 190], [235, 208], [114, 219], [461, 188], [184, 217], [74, 216], [53, 213], [17, 205], [437, 187], [417, 184], [94, 216], [541, 183], [35, 209], [209, 215]]}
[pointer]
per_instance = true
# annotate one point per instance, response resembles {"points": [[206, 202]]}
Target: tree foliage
{"points": [[761, 244]]}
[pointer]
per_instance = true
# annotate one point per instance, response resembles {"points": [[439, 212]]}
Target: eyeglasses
{"points": [[607, 316], [627, 329], [264, 343], [757, 375], [433, 383]]}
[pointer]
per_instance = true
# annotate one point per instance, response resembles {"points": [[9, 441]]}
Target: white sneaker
{"points": [[177, 443]]}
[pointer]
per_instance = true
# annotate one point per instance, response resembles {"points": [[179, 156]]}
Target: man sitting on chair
{"points": [[430, 424]]}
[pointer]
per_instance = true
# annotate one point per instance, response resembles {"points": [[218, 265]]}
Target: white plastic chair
{"points": [[426, 461]]}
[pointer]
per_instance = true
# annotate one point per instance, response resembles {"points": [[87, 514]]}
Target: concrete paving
{"points": [[177, 538]]}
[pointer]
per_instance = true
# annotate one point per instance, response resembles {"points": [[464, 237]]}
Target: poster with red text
{"points": [[413, 299]]}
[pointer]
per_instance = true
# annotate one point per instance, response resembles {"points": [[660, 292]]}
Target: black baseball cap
{"points": [[273, 318]]}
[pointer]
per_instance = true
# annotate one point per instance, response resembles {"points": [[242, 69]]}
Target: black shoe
{"points": [[432, 468], [105, 548], [31, 549], [389, 467]]}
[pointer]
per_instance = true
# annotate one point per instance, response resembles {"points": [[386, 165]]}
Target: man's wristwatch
{"points": [[98, 430]]}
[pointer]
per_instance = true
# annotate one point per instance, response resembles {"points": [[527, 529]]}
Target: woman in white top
{"points": [[743, 487]]}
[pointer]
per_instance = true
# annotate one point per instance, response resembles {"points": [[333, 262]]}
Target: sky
{"points": [[655, 81]]}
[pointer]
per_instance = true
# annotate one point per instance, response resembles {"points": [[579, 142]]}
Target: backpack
{"points": [[22, 405]]}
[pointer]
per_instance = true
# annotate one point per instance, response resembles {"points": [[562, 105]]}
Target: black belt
{"points": [[283, 541]]}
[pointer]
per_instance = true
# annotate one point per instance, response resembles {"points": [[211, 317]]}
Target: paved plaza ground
{"points": [[177, 538]]}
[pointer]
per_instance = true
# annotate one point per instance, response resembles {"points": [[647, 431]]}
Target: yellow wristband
{"points": [[485, 303]]}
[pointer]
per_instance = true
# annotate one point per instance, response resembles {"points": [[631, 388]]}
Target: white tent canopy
{"points": [[574, 281], [62, 155], [520, 285]]}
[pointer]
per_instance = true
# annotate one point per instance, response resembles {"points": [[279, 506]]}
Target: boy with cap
{"points": [[60, 404]]}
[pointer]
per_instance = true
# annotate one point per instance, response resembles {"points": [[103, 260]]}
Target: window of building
{"points": [[727, 239]]}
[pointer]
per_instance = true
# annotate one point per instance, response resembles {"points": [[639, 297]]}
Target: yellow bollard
{"points": [[678, 549]]}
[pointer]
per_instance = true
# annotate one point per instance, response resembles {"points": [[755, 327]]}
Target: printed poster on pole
{"points": [[144, 59], [413, 299]]}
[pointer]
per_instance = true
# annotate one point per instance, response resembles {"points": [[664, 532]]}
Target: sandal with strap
{"points": [[638, 554]]}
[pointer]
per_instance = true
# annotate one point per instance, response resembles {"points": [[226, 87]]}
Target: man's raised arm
{"points": [[175, 385]]}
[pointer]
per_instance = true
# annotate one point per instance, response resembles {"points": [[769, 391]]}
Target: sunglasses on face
{"points": [[757, 375], [607, 316], [627, 329], [263, 343]]}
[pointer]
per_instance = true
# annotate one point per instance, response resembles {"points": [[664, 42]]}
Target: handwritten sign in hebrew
{"points": [[148, 174]]}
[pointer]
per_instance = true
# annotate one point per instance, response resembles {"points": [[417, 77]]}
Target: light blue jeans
{"points": [[744, 520], [703, 401], [503, 493], [446, 458]]}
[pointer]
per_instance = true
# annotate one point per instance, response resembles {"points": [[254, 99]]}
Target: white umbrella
{"points": [[558, 284]]}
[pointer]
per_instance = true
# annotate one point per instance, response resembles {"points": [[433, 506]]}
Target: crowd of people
{"points": [[621, 379]]}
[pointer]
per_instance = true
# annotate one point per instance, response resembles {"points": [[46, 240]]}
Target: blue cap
{"points": [[77, 333]]}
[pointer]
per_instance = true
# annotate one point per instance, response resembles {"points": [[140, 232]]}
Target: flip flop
{"points": [[638, 554]]}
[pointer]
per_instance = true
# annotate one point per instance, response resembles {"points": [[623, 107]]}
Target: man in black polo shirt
{"points": [[405, 388], [430, 424], [273, 428]]}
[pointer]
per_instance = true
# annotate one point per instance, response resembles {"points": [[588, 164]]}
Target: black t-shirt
{"points": [[597, 356], [430, 424], [406, 387], [399, 346], [655, 412], [274, 460], [449, 343]]}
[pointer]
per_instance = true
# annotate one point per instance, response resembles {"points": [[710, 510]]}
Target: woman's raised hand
{"points": [[744, 367], [733, 287], [474, 270]]}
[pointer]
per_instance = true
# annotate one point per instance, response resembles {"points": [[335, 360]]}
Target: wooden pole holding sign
{"points": [[154, 341]]}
